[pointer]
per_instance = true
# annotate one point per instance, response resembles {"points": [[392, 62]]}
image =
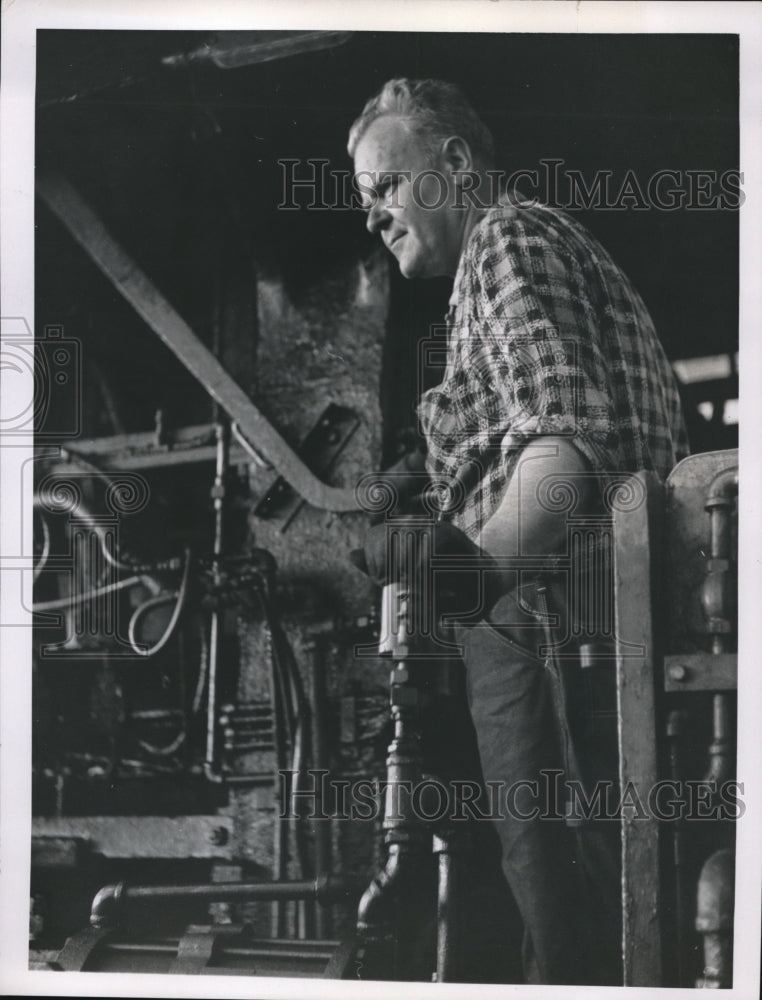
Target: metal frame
{"points": [[656, 577], [637, 544]]}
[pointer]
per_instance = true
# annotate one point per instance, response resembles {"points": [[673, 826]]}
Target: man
{"points": [[555, 384]]}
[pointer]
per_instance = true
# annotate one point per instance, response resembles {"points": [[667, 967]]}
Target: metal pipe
{"points": [[721, 756], [449, 908], [301, 742], [211, 771], [683, 889], [321, 827], [714, 919], [124, 274], [377, 910], [108, 904], [269, 948], [280, 831], [304, 924], [384, 924], [718, 599], [723, 487]]}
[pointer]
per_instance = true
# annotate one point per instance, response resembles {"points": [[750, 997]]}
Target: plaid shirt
{"points": [[546, 337]]}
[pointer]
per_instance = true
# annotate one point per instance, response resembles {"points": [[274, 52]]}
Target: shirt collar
{"points": [[504, 201]]}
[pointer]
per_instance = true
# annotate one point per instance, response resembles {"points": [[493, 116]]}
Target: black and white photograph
{"points": [[378, 574]]}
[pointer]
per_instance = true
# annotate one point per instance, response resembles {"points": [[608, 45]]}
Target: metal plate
{"points": [[319, 450], [701, 672], [140, 836]]}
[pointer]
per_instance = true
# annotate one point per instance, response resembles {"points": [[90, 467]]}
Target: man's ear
{"points": [[456, 154]]}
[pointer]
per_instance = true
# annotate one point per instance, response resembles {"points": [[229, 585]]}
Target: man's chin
{"points": [[410, 268]]}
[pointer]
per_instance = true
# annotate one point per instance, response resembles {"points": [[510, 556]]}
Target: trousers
{"points": [[531, 726]]}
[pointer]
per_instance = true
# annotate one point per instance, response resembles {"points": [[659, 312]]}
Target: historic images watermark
{"points": [[549, 797], [42, 394], [77, 510], [311, 184]]}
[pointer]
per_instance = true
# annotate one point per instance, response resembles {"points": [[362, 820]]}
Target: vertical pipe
{"points": [[718, 602], [218, 494], [714, 919], [675, 729], [280, 829], [714, 907], [321, 827], [449, 909], [720, 751]]}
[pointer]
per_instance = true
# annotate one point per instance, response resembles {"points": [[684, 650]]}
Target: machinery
{"points": [[425, 674], [413, 919]]}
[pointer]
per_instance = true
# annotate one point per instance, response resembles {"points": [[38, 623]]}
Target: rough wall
{"points": [[320, 344]]}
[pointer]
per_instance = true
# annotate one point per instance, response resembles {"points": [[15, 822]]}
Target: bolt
{"points": [[678, 672]]}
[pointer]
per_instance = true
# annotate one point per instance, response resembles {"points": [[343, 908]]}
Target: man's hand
{"points": [[406, 550], [407, 481]]}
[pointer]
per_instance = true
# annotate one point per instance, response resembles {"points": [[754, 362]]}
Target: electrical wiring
{"points": [[165, 751], [83, 514], [179, 599], [40, 565], [198, 694], [295, 710], [288, 675], [72, 599]]}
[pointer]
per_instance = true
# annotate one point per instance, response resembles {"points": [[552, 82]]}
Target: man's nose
{"points": [[378, 218]]}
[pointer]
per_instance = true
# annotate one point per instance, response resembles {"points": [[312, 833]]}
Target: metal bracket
{"points": [[319, 450], [79, 951], [201, 943], [701, 672]]}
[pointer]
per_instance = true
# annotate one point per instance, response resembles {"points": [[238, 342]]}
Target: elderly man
{"points": [[554, 378]]}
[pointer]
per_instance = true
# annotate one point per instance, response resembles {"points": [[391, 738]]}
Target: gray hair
{"points": [[434, 109]]}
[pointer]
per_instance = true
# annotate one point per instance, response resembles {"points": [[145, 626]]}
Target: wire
{"points": [[202, 672], [84, 515], [298, 706], [72, 599], [165, 751], [278, 674], [45, 548], [179, 597]]}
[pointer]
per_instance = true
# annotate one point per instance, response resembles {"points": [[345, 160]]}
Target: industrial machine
{"points": [[411, 921]]}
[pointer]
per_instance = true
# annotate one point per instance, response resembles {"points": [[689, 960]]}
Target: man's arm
{"points": [[523, 524]]}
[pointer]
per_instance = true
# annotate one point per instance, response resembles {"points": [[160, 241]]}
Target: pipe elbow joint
{"points": [[106, 909], [722, 488], [370, 912], [714, 909], [376, 908]]}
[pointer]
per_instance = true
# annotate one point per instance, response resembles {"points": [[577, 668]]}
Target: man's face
{"points": [[389, 161]]}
